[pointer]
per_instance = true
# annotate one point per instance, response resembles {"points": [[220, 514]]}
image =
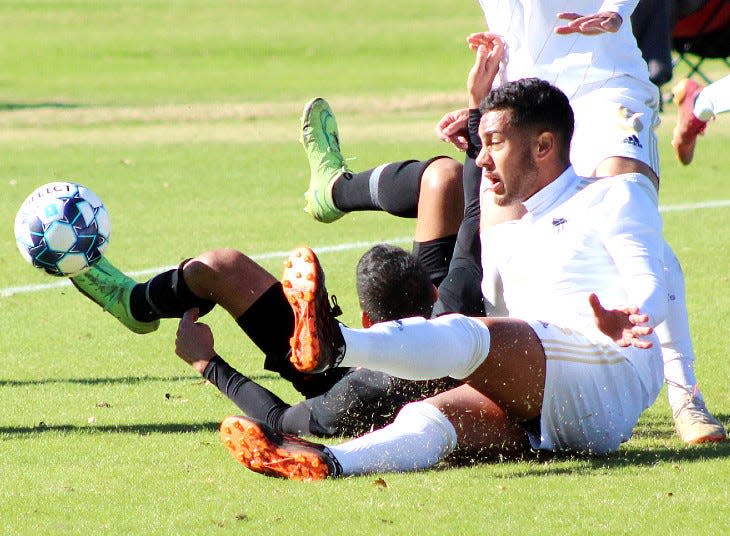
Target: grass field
{"points": [[183, 116]]}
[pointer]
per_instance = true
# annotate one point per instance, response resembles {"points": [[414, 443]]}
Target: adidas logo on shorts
{"points": [[633, 140]]}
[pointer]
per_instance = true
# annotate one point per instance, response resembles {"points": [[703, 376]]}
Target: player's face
{"points": [[508, 166]]}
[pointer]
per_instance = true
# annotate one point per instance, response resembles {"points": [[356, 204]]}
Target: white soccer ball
{"points": [[62, 228]]}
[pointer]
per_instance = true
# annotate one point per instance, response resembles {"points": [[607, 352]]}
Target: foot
{"points": [[264, 450], [688, 126], [695, 424], [317, 343], [104, 284], [321, 142]]}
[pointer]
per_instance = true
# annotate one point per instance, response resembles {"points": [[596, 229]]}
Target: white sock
{"points": [[675, 337], [713, 100], [419, 437], [419, 349]]}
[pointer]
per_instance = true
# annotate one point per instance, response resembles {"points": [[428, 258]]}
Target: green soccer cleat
{"points": [[321, 142], [104, 284]]}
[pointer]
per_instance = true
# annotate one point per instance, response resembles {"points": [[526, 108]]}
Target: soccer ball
{"points": [[62, 228]]}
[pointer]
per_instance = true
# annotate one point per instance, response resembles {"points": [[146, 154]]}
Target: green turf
{"points": [[183, 116]]}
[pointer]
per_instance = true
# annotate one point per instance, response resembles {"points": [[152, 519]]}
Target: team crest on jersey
{"points": [[558, 224], [630, 120]]}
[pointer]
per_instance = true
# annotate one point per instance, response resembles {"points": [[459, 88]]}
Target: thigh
{"points": [[594, 392], [479, 422], [513, 373], [615, 122]]}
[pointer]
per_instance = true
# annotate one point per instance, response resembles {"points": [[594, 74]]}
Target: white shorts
{"points": [[594, 390], [619, 118]]}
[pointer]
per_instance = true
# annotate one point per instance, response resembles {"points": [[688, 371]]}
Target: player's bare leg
{"points": [[480, 424], [440, 201], [228, 278]]}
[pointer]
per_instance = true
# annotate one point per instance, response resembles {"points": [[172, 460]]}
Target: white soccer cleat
{"points": [[695, 424]]}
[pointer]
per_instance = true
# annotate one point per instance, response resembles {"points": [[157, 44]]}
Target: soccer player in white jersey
{"points": [[594, 59], [562, 371]]}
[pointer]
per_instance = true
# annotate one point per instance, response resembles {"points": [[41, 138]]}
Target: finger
{"points": [[459, 143], [482, 54], [640, 343], [190, 316], [638, 319], [641, 331], [477, 37], [569, 16], [574, 26], [595, 304], [591, 26], [565, 30], [453, 128]]}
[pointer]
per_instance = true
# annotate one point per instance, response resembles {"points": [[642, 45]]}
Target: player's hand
{"points": [[453, 128], [598, 23], [489, 51], [194, 341], [625, 326], [489, 40]]}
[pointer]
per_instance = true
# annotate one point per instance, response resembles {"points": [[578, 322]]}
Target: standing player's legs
{"points": [[692, 420], [695, 107], [631, 146], [429, 190]]}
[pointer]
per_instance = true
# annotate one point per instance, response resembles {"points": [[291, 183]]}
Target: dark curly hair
{"points": [[535, 105], [392, 284]]}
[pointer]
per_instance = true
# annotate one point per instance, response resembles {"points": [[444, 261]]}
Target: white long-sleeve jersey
{"points": [[569, 62], [580, 236]]}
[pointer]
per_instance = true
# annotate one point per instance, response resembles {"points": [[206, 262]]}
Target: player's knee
{"points": [[217, 262], [203, 274], [420, 416], [442, 180]]}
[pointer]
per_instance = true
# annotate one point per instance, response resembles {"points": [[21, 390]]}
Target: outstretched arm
{"points": [[625, 326]]}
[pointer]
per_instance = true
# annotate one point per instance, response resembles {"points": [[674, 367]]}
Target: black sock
{"points": [[269, 323], [460, 291], [165, 296], [392, 187], [254, 400], [435, 255]]}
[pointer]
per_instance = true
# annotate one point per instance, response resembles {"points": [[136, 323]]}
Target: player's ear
{"points": [[545, 144], [365, 319], [434, 293]]}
